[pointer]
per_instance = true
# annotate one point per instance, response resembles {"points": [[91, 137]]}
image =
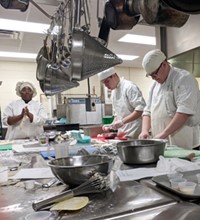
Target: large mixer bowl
{"points": [[75, 170]]}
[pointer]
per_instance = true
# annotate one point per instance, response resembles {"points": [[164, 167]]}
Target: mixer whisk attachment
{"points": [[96, 184]]}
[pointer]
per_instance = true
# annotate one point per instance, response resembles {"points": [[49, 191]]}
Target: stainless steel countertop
{"points": [[128, 197], [126, 200]]}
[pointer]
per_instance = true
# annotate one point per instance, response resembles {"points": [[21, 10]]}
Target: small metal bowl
{"points": [[75, 170], [140, 151]]}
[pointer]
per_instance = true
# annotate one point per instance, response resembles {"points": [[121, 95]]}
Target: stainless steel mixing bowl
{"points": [[140, 151], [75, 170]]}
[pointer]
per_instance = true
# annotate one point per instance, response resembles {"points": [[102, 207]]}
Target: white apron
{"points": [[185, 137]]}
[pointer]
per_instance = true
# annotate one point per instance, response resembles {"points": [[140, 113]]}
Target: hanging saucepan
{"points": [[140, 151], [56, 81], [116, 16], [187, 6], [15, 4], [156, 12], [42, 59]]}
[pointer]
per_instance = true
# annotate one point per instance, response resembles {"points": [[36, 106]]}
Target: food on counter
{"points": [[112, 135], [72, 204]]}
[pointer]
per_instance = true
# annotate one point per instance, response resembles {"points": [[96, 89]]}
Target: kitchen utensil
{"points": [[61, 149], [56, 81], [140, 151], [156, 12], [184, 6], [75, 170], [16, 4], [117, 17], [190, 176], [96, 184]]}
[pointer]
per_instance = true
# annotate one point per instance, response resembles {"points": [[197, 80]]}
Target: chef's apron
{"points": [[185, 137], [123, 108]]}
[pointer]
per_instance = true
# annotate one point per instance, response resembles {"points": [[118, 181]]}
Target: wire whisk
{"points": [[96, 184]]}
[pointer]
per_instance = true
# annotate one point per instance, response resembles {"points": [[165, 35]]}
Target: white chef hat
{"points": [[21, 85], [152, 60], [106, 73]]}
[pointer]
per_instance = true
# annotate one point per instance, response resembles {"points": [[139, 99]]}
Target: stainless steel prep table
{"points": [[128, 198]]}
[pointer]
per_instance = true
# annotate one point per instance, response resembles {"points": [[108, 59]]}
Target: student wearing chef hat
{"points": [[128, 104], [24, 117], [173, 107]]}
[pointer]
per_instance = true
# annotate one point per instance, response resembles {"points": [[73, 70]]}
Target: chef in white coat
{"points": [[128, 104], [173, 106], [24, 117]]}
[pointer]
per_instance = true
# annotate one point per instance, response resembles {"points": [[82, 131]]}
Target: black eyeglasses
{"points": [[156, 72]]}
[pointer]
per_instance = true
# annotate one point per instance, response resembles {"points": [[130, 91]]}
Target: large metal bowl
{"points": [[75, 170], [140, 151]]}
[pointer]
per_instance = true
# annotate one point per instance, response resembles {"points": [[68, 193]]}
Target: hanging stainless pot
{"points": [[185, 5], [15, 4], [156, 12], [56, 81], [116, 16], [140, 151]]}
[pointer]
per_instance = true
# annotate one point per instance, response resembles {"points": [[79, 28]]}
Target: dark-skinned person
{"points": [[173, 106], [24, 117], [128, 104]]}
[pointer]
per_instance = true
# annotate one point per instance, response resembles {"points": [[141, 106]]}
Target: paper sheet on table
{"points": [[33, 173], [19, 148], [138, 173]]}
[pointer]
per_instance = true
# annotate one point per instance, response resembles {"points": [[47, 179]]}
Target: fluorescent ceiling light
{"points": [[138, 39], [14, 25], [127, 57], [18, 55]]}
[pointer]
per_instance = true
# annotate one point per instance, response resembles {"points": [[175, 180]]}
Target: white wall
{"points": [[12, 72], [184, 38]]}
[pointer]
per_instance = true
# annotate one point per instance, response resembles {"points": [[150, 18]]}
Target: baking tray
{"points": [[164, 182]]}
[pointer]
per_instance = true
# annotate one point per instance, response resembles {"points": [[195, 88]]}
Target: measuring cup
{"points": [[61, 149]]}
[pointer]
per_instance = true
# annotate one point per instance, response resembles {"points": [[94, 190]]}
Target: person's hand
{"points": [[23, 113], [106, 128], [162, 135], [117, 124], [144, 135], [28, 114]]}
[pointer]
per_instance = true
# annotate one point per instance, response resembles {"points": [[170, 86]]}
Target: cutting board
{"points": [[179, 152], [6, 147]]}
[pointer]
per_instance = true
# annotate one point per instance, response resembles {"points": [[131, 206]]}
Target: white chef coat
{"points": [[24, 128], [179, 93], [126, 98]]}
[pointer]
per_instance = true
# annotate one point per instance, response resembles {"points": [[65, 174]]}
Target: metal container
{"points": [[140, 151], [75, 170]]}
